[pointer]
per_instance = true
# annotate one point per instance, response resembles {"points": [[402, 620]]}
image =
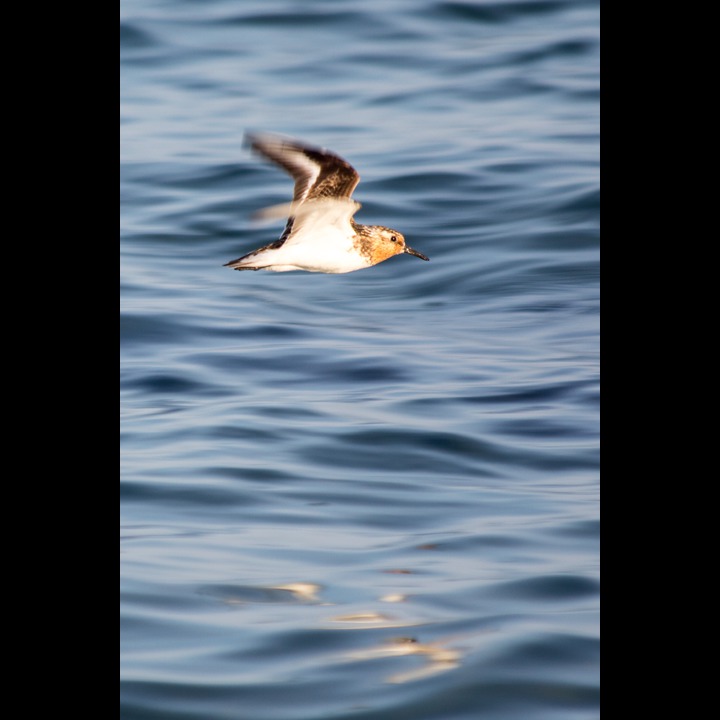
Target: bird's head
{"points": [[389, 242]]}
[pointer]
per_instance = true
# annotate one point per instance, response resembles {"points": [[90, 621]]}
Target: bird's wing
{"points": [[318, 173]]}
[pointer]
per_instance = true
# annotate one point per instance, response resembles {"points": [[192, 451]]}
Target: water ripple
{"points": [[375, 494]]}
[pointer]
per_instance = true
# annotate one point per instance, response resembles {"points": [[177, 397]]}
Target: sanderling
{"points": [[320, 235]]}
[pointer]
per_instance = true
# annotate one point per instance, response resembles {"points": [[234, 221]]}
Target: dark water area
{"points": [[372, 495]]}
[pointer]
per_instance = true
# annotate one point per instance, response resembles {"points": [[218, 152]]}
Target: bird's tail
{"points": [[243, 263], [256, 260]]}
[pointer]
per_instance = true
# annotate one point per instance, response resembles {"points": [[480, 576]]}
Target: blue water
{"points": [[371, 495]]}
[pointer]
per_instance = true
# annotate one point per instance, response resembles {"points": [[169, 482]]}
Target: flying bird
{"points": [[321, 234]]}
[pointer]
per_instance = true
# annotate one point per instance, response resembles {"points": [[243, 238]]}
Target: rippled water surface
{"points": [[371, 495]]}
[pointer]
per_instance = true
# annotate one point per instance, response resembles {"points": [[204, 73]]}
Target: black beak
{"points": [[410, 251]]}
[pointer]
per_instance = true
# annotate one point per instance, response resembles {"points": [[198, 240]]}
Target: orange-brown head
{"points": [[379, 243]]}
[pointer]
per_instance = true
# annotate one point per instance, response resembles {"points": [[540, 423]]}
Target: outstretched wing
{"points": [[318, 173]]}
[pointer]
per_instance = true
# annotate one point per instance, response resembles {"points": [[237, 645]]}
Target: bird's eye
{"points": [[393, 239]]}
